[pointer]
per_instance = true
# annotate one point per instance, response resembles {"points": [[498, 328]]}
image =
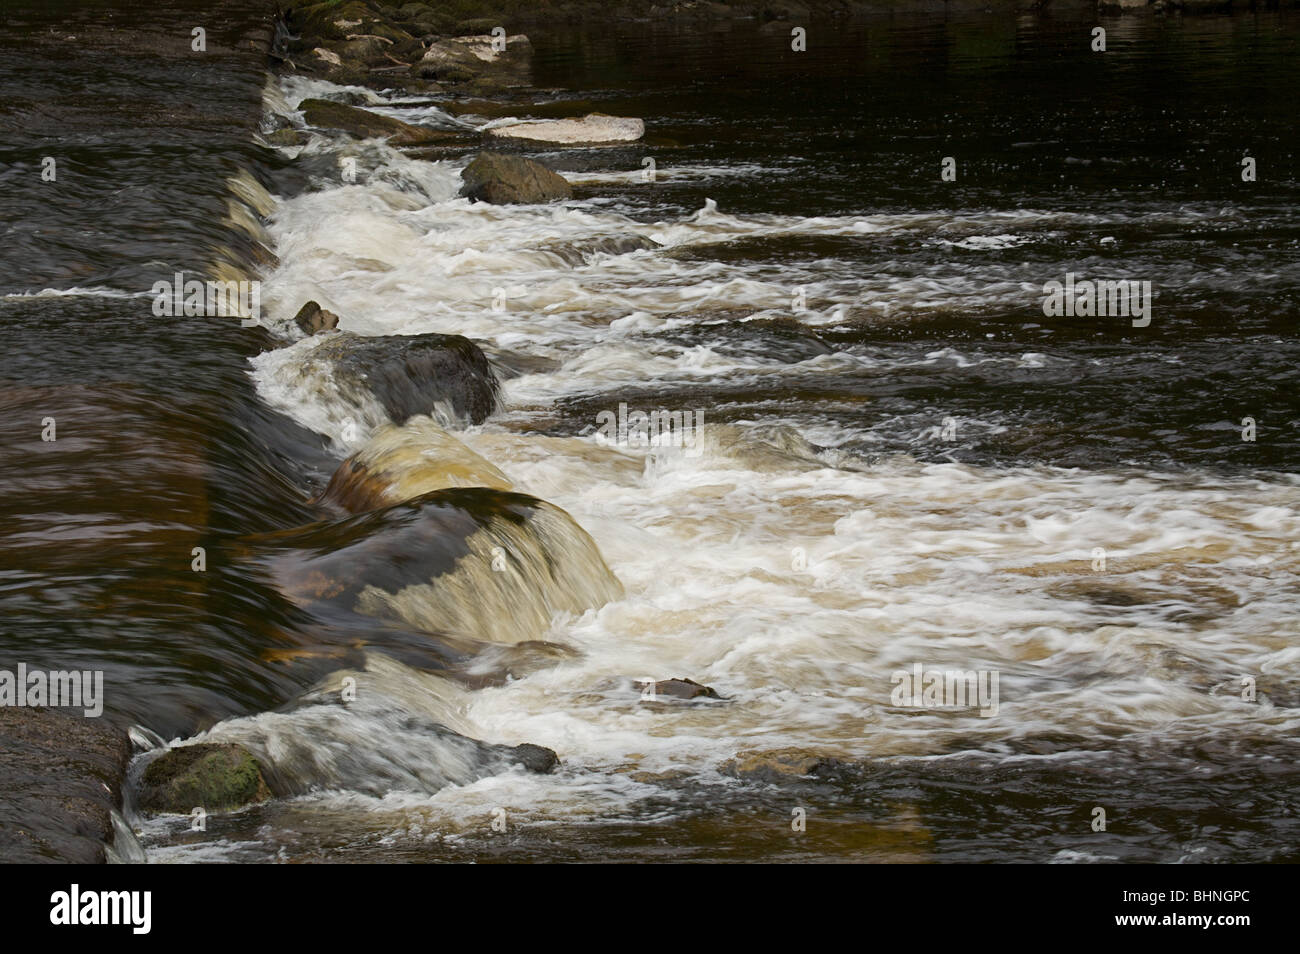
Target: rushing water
{"points": [[908, 464]]}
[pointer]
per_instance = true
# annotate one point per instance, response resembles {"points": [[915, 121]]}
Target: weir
{"points": [[383, 555]]}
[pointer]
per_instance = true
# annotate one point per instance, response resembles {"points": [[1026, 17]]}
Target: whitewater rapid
{"points": [[791, 575]]}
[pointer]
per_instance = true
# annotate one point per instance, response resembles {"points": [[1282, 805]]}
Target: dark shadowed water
{"points": [[944, 456]]}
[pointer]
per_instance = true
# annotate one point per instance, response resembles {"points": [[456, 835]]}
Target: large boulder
{"points": [[500, 180], [212, 776], [465, 564], [364, 124], [412, 374], [401, 463], [594, 129]]}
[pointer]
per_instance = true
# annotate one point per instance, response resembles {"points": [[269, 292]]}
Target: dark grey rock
{"points": [[61, 776], [412, 374]]}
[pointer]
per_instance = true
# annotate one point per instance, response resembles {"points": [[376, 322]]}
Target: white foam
{"points": [[792, 581]]}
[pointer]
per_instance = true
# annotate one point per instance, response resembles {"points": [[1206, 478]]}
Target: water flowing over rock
{"points": [[367, 125], [501, 180], [470, 563], [445, 375], [401, 463], [587, 251], [375, 730], [593, 129]]}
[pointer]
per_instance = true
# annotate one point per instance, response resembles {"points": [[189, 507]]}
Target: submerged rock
{"points": [[471, 563], [592, 129], [782, 764], [499, 179], [586, 251], [313, 319], [402, 730], [286, 137], [367, 125], [413, 374], [211, 776], [401, 463]]}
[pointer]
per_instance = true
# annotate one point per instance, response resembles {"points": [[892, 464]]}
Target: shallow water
{"points": [[914, 466]]}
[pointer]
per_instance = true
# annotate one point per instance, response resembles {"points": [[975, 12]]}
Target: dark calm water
{"points": [[923, 305]]}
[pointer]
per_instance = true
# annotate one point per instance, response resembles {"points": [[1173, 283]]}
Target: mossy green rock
{"points": [[211, 776]]}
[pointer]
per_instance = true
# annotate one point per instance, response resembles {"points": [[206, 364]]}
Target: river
{"points": [[903, 461]]}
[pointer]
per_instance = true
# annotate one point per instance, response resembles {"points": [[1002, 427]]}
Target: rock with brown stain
{"points": [[501, 180], [313, 319], [402, 463]]}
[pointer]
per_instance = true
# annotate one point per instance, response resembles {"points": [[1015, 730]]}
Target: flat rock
{"points": [[592, 129]]}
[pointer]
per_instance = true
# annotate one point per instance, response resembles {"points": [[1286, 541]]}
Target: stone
{"points": [[402, 463], [413, 374], [467, 563], [499, 179], [782, 764], [455, 59], [534, 758], [592, 129], [681, 689], [367, 125], [416, 11], [313, 319], [286, 137], [212, 776]]}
